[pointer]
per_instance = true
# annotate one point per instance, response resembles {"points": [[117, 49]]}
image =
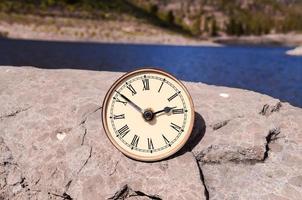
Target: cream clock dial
{"points": [[148, 114]]}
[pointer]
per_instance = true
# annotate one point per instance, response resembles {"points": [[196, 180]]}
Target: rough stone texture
{"points": [[52, 145], [295, 52]]}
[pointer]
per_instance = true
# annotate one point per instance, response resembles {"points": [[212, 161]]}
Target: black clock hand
{"points": [[166, 110], [131, 102]]}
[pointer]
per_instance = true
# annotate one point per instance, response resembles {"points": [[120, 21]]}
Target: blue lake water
{"points": [[262, 69]]}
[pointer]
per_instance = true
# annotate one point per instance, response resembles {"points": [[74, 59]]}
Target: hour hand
{"points": [[130, 102], [166, 110]]}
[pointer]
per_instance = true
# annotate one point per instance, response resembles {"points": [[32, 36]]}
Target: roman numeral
{"points": [[176, 127], [161, 85], [117, 100], [122, 116], [150, 144], [146, 84], [130, 87], [134, 141], [173, 96], [166, 140], [123, 131], [178, 111]]}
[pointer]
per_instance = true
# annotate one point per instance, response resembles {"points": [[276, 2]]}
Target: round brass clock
{"points": [[148, 114]]}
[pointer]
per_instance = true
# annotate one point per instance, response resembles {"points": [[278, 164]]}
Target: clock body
{"points": [[148, 114]]}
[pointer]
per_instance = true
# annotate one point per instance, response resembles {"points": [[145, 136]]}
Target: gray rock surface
{"points": [[295, 52], [52, 145]]}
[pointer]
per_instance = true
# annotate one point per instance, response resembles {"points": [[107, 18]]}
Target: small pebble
{"points": [[224, 95], [61, 136]]}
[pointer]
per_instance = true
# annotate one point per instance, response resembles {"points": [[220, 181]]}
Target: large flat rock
{"points": [[52, 144]]}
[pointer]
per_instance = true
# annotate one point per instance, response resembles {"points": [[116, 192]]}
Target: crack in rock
{"points": [[272, 136], [223, 123], [64, 196], [115, 166], [83, 121], [217, 154], [86, 161], [220, 124], [267, 109], [13, 180], [202, 179], [21, 182], [126, 192], [84, 135], [14, 113], [54, 172], [37, 181], [68, 185], [201, 157]]}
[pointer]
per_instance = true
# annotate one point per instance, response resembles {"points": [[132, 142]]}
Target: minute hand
{"points": [[131, 102]]}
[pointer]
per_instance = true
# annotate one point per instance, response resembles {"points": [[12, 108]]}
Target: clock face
{"points": [[148, 114]]}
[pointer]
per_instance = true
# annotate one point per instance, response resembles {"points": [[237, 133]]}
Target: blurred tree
{"points": [[214, 28], [252, 17]]}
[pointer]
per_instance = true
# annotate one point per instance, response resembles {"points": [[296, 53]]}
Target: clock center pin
{"points": [[148, 115]]}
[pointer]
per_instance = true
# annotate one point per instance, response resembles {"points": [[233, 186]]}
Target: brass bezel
{"points": [[127, 153]]}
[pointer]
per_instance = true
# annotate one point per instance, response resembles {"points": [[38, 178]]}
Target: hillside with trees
{"points": [[196, 17]]}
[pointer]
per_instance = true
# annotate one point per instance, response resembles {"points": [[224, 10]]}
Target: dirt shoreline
{"points": [[289, 39], [125, 30]]}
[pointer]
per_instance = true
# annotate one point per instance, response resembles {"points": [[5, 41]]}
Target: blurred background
{"points": [[249, 44]]}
